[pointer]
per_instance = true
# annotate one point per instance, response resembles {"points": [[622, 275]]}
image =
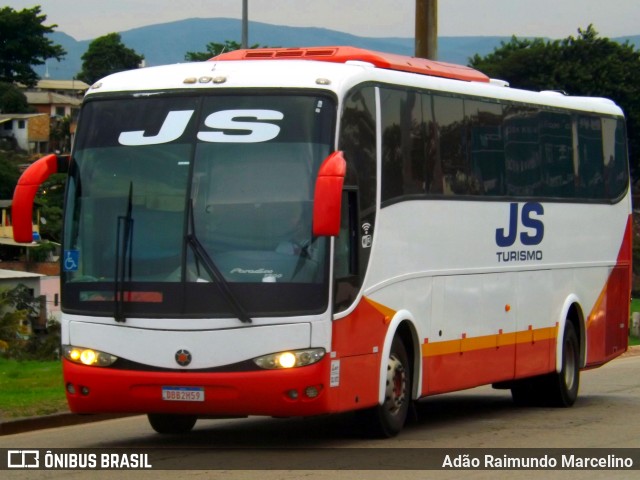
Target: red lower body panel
{"points": [[608, 323], [264, 392], [469, 362]]}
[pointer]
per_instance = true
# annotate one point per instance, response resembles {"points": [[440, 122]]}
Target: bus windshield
{"points": [[183, 205]]}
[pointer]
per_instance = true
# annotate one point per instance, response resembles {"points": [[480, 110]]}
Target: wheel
{"points": [[562, 388], [171, 424], [554, 389], [387, 420]]}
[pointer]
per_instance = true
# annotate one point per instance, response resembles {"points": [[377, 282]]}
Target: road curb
{"points": [[21, 425], [632, 351]]}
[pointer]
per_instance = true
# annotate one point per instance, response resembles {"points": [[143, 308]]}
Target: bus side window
{"points": [[346, 252], [358, 141], [591, 172]]}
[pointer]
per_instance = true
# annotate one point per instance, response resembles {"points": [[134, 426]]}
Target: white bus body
{"points": [[478, 243]]}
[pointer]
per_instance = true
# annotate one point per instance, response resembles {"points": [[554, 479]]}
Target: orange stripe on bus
{"points": [[467, 344]]}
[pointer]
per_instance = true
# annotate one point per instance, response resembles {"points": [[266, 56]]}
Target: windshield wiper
{"points": [[214, 272], [124, 236]]}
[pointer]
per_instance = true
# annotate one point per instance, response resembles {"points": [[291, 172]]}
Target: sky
{"points": [[88, 19]]}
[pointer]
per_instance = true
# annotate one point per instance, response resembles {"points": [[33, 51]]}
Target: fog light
{"points": [[71, 389], [312, 392], [84, 391], [292, 394]]}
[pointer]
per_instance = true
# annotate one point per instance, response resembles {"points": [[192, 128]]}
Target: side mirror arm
{"points": [[25, 193]]}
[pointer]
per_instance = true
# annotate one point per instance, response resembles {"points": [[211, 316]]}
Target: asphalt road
{"points": [[606, 415]]}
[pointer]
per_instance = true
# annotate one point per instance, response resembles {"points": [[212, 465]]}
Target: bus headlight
{"points": [[290, 359], [88, 356]]}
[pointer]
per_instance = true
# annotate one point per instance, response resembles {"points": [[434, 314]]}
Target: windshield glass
{"points": [[162, 187]]}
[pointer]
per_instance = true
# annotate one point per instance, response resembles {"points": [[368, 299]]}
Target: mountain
{"points": [[169, 42]]}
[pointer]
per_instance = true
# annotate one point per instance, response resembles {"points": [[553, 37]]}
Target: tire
{"points": [[554, 389], [387, 420], [171, 424], [562, 388]]}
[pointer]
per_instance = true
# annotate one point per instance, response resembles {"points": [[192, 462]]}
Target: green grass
{"points": [[31, 388], [635, 307]]}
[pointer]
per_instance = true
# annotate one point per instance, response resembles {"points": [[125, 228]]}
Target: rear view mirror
{"points": [[327, 198], [25, 192]]}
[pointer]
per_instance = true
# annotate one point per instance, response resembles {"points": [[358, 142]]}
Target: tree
{"points": [[60, 134], [23, 43], [12, 100], [587, 65], [50, 201], [107, 55], [9, 175], [214, 49]]}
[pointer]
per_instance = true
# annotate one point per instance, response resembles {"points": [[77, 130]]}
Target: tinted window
{"points": [[169, 196], [590, 175], [453, 140], [358, 142], [403, 143], [557, 155], [446, 145], [486, 145], [614, 139]]}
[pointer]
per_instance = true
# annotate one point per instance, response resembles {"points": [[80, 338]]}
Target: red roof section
{"points": [[388, 61]]}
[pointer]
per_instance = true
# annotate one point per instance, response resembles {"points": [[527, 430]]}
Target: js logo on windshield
{"points": [[532, 228], [227, 126]]}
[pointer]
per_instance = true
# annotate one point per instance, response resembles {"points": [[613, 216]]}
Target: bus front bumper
{"points": [[300, 391]]}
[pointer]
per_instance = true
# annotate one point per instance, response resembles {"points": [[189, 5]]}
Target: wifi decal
{"points": [[231, 126], [531, 228], [367, 238]]}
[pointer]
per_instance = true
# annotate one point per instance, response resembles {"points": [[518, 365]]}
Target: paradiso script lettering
{"points": [[230, 126], [524, 227]]}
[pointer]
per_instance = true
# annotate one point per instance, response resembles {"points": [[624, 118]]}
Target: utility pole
{"points": [[427, 29], [245, 24]]}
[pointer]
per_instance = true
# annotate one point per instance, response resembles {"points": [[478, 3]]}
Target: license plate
{"points": [[183, 394]]}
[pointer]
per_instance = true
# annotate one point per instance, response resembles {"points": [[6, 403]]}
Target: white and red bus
{"points": [[294, 232]]}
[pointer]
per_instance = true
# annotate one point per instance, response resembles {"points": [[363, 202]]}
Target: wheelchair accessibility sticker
{"points": [[71, 260]]}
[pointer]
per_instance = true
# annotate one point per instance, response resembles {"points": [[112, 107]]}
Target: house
{"points": [[45, 290], [70, 88], [27, 131], [6, 228], [60, 109], [43, 286], [54, 104], [10, 279], [58, 99], [21, 256]]}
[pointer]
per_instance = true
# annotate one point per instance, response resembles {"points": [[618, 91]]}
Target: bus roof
{"points": [[335, 69], [388, 61]]}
